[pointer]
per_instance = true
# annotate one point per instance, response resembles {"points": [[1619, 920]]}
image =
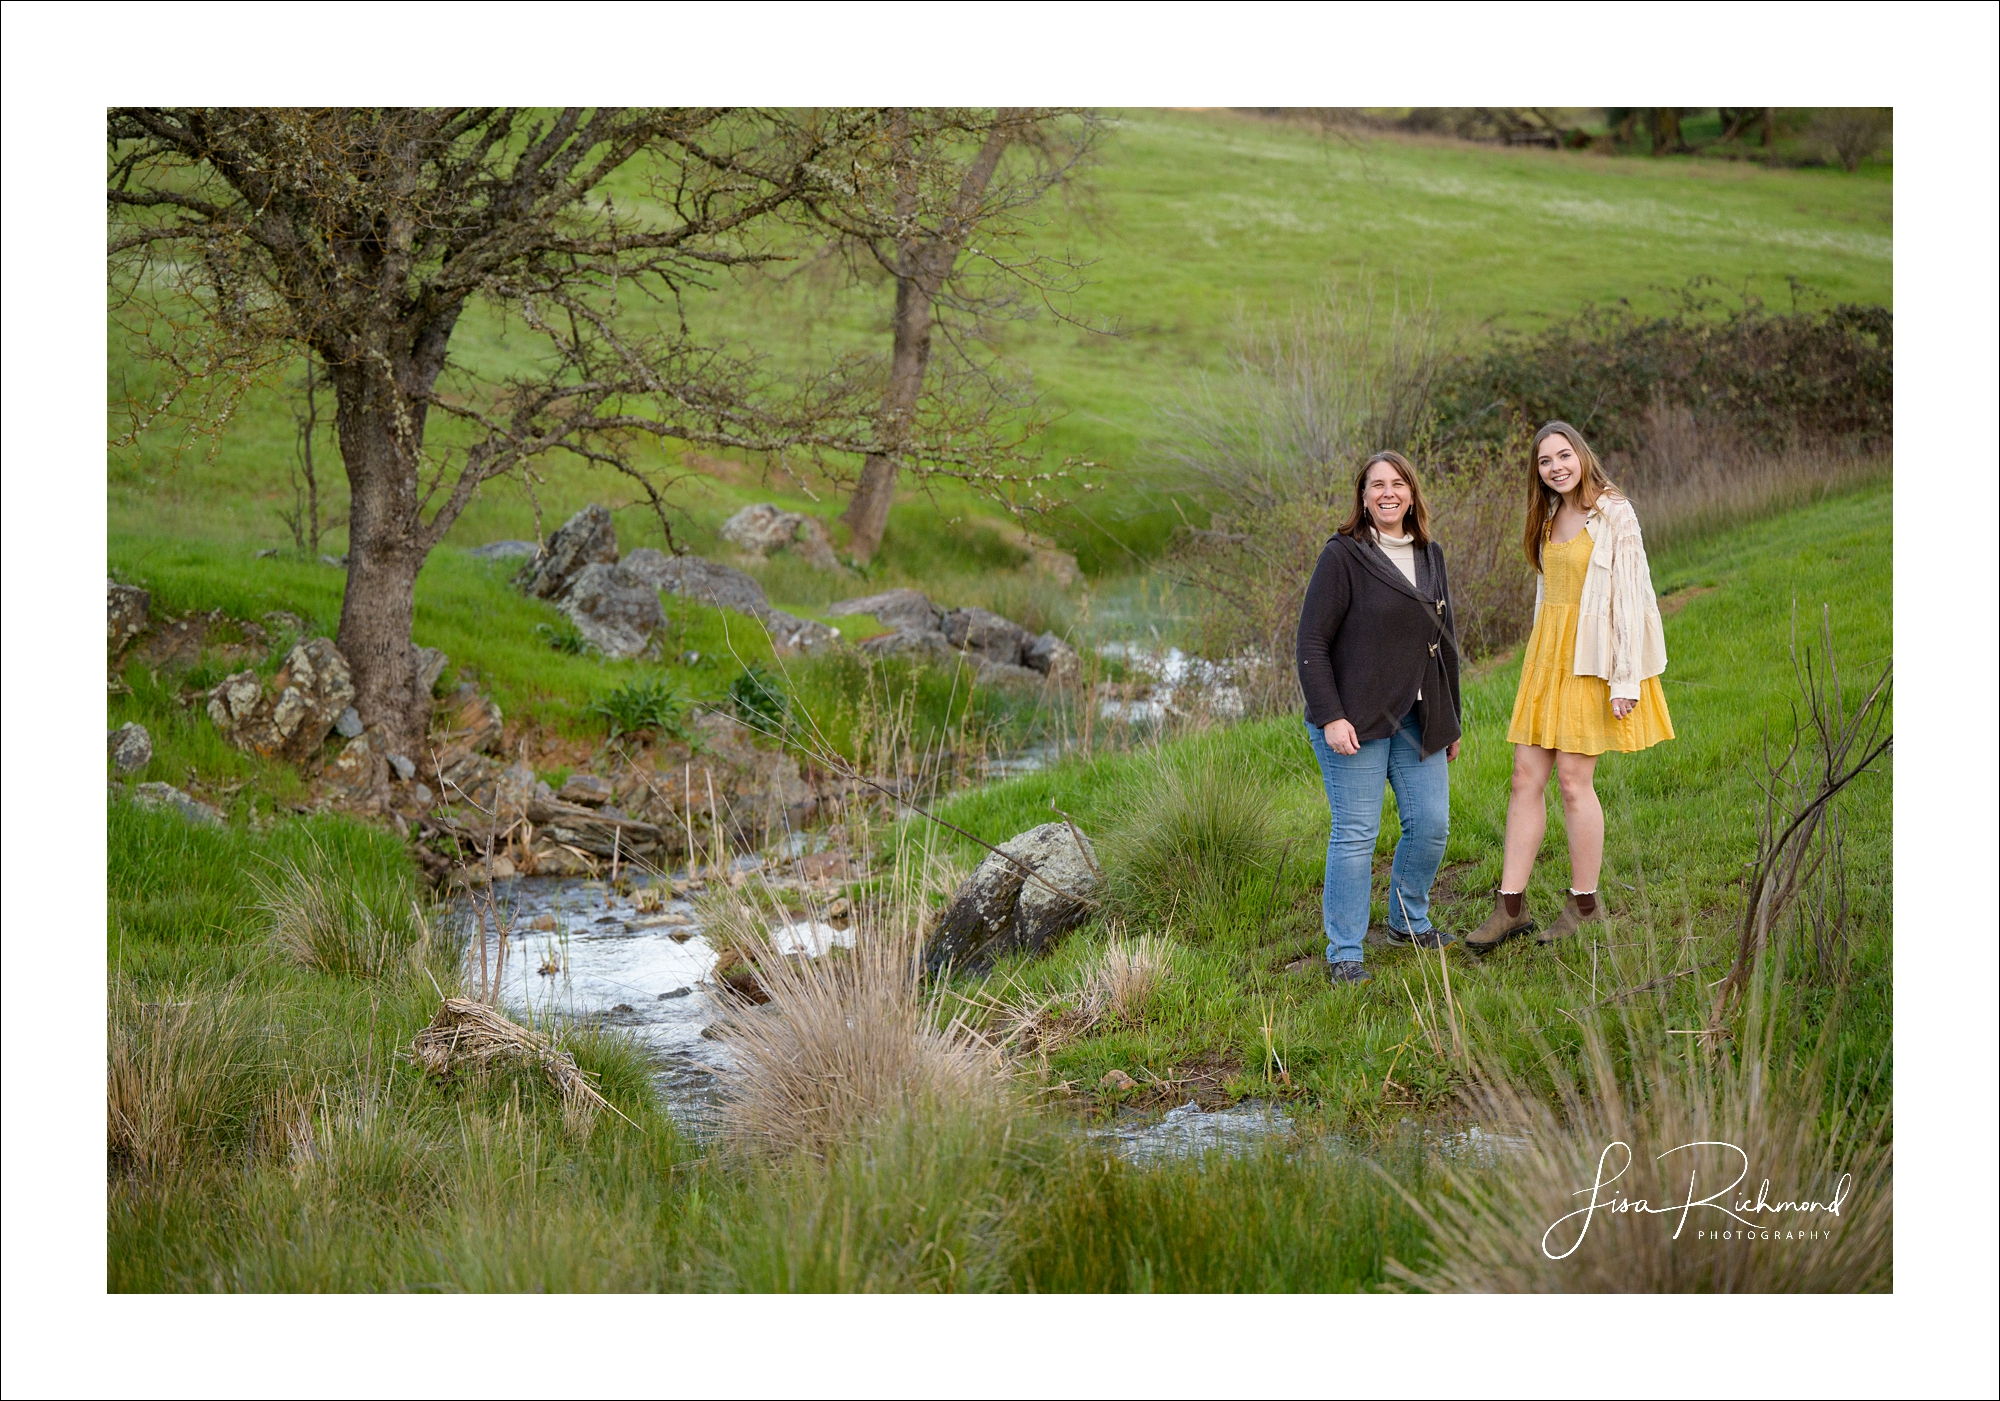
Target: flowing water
{"points": [[643, 970], [639, 970]]}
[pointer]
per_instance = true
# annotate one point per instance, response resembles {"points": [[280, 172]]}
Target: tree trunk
{"points": [[1764, 127], [1667, 131], [383, 557], [867, 515]]}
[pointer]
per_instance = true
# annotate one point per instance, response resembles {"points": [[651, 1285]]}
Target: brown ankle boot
{"points": [[1572, 918], [1499, 927]]}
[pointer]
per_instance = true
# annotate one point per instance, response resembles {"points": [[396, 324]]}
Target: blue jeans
{"points": [[1354, 793]]}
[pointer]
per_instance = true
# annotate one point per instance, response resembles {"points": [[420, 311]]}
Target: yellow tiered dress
{"points": [[1554, 707]]}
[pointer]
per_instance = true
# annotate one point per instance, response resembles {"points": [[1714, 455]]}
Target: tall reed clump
{"points": [[848, 1039], [182, 1077], [1189, 837], [1739, 1132], [323, 917]]}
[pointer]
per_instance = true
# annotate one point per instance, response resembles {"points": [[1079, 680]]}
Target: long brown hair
{"points": [[1416, 520], [1542, 502]]}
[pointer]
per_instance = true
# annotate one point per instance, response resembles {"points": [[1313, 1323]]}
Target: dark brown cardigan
{"points": [[1369, 640]]}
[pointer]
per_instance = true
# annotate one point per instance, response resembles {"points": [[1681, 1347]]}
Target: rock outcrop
{"points": [[1053, 658], [1002, 908], [506, 549], [465, 732], [905, 610], [165, 795], [127, 611], [585, 538], [131, 748], [293, 719], [616, 611], [1002, 651], [358, 777], [764, 528], [431, 662], [719, 586], [586, 790]]}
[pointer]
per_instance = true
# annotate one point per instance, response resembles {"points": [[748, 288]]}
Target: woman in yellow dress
{"points": [[1590, 678]]}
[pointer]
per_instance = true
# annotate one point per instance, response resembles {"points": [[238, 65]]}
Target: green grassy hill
{"points": [[1681, 825], [1198, 220]]}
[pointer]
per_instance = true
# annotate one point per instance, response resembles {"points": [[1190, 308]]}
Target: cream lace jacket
{"points": [[1618, 631]]}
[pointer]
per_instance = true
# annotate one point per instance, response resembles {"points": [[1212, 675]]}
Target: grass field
{"points": [[301, 1154], [1199, 221], [1680, 829], [279, 1143]]}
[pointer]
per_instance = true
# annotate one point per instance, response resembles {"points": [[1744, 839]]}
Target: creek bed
{"points": [[626, 967], [644, 971]]}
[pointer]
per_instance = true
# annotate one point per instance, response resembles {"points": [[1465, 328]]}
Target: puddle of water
{"points": [[1190, 1130]]}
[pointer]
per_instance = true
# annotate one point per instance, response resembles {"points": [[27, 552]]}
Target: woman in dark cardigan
{"points": [[1378, 663]]}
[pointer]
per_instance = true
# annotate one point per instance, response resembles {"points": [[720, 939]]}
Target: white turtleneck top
{"points": [[1401, 552]]}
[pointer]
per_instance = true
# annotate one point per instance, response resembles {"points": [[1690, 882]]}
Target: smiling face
{"points": [[1560, 467], [1387, 497]]}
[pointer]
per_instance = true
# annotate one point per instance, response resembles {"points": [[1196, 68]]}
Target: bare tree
{"points": [[941, 201], [242, 238], [1667, 140], [1850, 134]]}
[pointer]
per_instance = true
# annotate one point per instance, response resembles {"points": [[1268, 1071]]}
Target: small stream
{"points": [[643, 971], [640, 970]]}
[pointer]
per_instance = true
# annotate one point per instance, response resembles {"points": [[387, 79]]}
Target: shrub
{"points": [[1773, 379], [1850, 135], [849, 1042], [1702, 419], [1189, 837], [655, 705], [1274, 446]]}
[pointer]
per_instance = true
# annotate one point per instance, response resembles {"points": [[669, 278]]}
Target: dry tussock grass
{"points": [[1122, 979], [1025, 1028], [1690, 477], [849, 1039], [176, 1077], [1505, 1218]]}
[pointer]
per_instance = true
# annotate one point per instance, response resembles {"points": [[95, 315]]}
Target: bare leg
{"points": [[1527, 814], [1583, 818]]}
